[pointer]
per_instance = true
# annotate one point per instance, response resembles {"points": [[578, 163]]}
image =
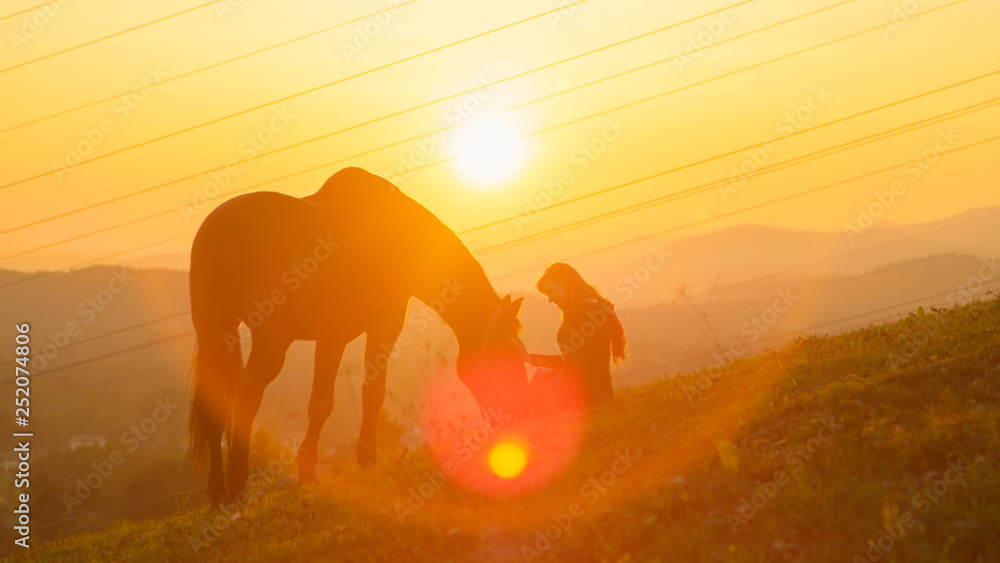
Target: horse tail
{"points": [[215, 369]]}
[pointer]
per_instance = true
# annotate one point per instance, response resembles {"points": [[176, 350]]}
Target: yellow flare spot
{"points": [[508, 459]]}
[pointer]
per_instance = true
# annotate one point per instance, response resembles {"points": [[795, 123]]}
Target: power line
{"points": [[686, 87], [758, 206], [759, 172], [35, 7], [211, 66], [118, 503], [95, 260], [172, 365], [185, 489], [307, 91], [113, 332], [115, 34], [108, 355], [736, 151]]}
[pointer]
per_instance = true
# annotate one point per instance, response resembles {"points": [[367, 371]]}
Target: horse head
{"points": [[494, 372]]}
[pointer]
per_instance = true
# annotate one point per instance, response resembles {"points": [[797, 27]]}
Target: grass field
{"points": [[878, 444]]}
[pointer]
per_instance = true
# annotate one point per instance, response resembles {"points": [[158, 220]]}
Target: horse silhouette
{"points": [[329, 267]]}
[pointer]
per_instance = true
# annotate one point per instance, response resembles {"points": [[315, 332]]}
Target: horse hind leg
{"points": [[266, 359], [328, 357]]}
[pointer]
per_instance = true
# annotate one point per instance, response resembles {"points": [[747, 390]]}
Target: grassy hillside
{"points": [[879, 444]]}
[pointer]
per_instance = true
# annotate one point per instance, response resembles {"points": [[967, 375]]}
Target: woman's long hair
{"points": [[579, 289]]}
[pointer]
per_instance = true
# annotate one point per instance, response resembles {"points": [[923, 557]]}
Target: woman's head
{"points": [[563, 285]]}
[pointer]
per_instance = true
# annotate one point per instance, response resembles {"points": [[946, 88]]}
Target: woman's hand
{"points": [[523, 353]]}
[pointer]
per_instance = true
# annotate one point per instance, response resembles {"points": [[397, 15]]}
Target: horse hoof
{"points": [[215, 496], [366, 456], [307, 475], [306, 465], [233, 497]]}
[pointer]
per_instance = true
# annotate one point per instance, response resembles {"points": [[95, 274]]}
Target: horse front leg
{"points": [[266, 359], [328, 357], [378, 349]]}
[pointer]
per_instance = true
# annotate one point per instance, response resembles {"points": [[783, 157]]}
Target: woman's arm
{"points": [[546, 360]]}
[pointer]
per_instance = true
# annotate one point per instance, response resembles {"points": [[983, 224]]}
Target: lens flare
{"points": [[514, 457], [508, 459]]}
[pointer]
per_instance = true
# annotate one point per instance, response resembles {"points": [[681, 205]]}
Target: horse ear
{"points": [[515, 306], [505, 300]]}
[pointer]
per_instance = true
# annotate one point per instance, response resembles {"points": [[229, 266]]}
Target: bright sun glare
{"points": [[508, 459], [489, 151]]}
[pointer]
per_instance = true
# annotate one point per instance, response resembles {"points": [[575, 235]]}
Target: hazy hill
{"points": [[730, 255], [746, 252], [878, 444]]}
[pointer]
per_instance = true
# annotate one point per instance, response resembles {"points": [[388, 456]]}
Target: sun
{"points": [[489, 152]]}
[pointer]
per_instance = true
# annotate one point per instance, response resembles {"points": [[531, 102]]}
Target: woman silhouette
{"points": [[591, 339]]}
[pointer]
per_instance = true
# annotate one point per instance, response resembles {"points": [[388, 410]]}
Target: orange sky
{"points": [[893, 62]]}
